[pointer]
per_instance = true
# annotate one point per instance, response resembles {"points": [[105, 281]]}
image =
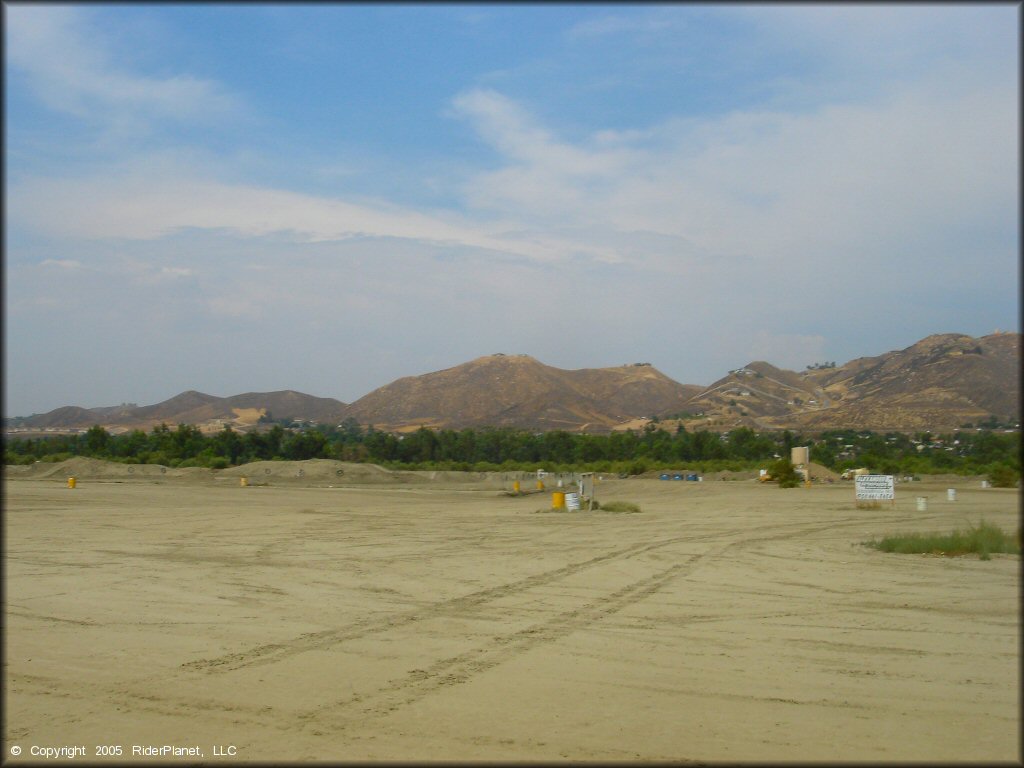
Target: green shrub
{"points": [[55, 458], [17, 458], [983, 539], [618, 506], [783, 472], [1004, 476], [155, 457]]}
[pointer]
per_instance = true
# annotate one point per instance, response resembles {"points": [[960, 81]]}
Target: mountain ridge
{"points": [[939, 383]]}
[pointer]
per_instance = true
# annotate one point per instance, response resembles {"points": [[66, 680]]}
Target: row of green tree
{"points": [[964, 452]]}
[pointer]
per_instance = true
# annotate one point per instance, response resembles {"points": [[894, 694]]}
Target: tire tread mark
{"points": [[461, 668], [273, 652], [270, 653]]}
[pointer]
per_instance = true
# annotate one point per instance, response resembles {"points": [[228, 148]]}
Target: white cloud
{"points": [[753, 205], [153, 200], [72, 70], [870, 180], [898, 39], [543, 179], [616, 25], [62, 263]]}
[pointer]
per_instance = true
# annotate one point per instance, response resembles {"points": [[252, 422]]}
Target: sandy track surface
{"points": [[726, 621]]}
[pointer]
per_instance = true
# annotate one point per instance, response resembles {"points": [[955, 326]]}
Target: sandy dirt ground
{"points": [[444, 620]]}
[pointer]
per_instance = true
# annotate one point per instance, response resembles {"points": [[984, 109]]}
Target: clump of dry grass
{"points": [[983, 539], [618, 506]]}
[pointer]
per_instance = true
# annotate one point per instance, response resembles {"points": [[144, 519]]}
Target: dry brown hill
{"points": [[519, 391], [208, 412], [756, 395], [289, 404], [938, 384]]}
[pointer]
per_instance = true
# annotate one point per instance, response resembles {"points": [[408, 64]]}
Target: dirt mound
{"points": [[821, 472], [80, 466], [313, 470], [85, 468], [317, 472], [331, 472]]}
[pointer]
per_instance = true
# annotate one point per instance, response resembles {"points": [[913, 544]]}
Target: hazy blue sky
{"points": [[328, 197]]}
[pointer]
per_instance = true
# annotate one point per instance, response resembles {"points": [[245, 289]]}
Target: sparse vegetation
{"points": [[618, 506], [983, 539], [995, 454], [785, 474], [1004, 476]]}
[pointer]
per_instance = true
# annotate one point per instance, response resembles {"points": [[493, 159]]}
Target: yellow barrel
{"points": [[540, 485], [244, 481], [558, 500], [515, 486], [71, 482]]}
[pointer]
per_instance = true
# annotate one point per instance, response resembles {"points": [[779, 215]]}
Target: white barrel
{"points": [[922, 503], [951, 494], [572, 502]]}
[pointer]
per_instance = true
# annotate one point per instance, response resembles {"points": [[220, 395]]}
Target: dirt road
{"points": [[726, 621]]}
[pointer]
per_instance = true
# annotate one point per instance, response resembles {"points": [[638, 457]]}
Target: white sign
{"points": [[586, 485], [874, 487]]}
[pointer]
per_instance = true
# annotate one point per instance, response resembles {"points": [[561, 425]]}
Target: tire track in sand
{"points": [[273, 652], [460, 669], [463, 667], [270, 653]]}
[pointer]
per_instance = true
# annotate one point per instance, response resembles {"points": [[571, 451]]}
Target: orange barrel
{"points": [[540, 485], [557, 500], [71, 482], [244, 481]]}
